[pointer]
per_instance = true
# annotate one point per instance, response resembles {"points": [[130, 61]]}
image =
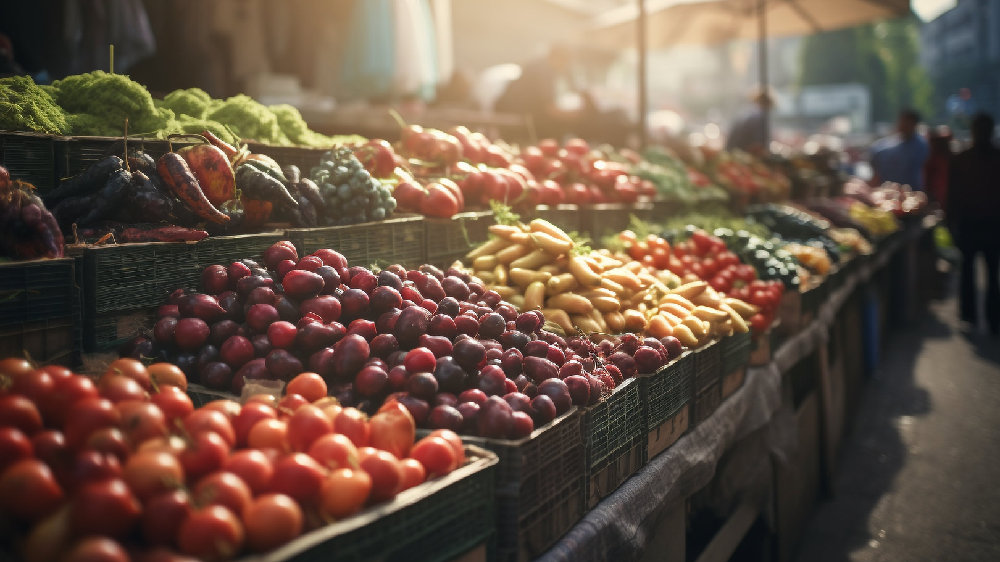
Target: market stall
{"points": [[440, 347]]}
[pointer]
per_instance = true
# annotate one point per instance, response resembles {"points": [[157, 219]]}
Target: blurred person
{"points": [[974, 219], [536, 92], [936, 166], [900, 157], [8, 64], [749, 133]]}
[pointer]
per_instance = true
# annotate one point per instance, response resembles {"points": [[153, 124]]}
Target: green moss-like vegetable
{"points": [[194, 102], [111, 98], [25, 106], [249, 119], [188, 124], [294, 127]]}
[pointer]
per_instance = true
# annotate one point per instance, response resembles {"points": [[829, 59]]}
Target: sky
{"points": [[930, 9]]}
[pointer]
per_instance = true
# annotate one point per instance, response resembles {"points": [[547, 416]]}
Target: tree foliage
{"points": [[882, 56]]}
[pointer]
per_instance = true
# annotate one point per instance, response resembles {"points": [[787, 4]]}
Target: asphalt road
{"points": [[918, 475]]}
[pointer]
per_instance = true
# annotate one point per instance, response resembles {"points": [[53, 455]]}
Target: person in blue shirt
{"points": [[900, 158]]}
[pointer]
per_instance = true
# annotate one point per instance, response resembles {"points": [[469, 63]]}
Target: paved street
{"points": [[917, 479]]}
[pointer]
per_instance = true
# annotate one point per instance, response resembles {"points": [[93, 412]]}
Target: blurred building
{"points": [[961, 51]]}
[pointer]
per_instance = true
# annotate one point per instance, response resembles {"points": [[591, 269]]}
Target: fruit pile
{"points": [[706, 257], [127, 467], [583, 174], [349, 191], [439, 343], [538, 266]]}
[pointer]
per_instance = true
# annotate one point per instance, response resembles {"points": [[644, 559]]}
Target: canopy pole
{"points": [[762, 68], [642, 73]]}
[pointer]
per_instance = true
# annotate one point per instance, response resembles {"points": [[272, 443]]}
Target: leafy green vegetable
{"points": [[25, 106], [110, 99], [193, 102], [249, 119], [503, 214]]}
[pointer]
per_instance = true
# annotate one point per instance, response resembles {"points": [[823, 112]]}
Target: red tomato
{"points": [[89, 415], [291, 402], [36, 385], [71, 390], [109, 440], [20, 412], [149, 473], [306, 425], [299, 476], [250, 414], [702, 242], [210, 420], [94, 549], [141, 421], [222, 488], [393, 429], [354, 424], [174, 402], [28, 490], [271, 521], [212, 533], [727, 258], [105, 507], [759, 323], [385, 471], [253, 466], [118, 388], [13, 368], [413, 473], [228, 408], [133, 369], [311, 386], [638, 250], [454, 440], [344, 492], [163, 514], [710, 266], [269, 434], [168, 373], [205, 453], [334, 450], [436, 455]]}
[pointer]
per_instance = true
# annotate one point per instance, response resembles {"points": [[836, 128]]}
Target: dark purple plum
{"points": [[445, 417], [557, 390], [494, 419], [422, 385], [545, 409]]}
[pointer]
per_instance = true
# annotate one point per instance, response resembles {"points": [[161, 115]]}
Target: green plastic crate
{"points": [[123, 280], [29, 157], [450, 239], [667, 390]]}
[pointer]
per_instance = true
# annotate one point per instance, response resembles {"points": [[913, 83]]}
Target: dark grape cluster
{"points": [[352, 195]]}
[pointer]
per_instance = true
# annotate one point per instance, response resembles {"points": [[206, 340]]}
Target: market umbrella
{"points": [[663, 23]]}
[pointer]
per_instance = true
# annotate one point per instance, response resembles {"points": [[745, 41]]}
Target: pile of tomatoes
{"points": [[704, 256], [127, 468]]}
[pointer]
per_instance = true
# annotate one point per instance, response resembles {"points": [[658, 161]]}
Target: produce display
{"points": [[452, 352], [211, 187], [126, 466], [705, 256], [538, 266], [98, 103], [27, 228]]}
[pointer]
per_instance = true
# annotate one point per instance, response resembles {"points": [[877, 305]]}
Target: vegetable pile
{"points": [[124, 466], [97, 103]]}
